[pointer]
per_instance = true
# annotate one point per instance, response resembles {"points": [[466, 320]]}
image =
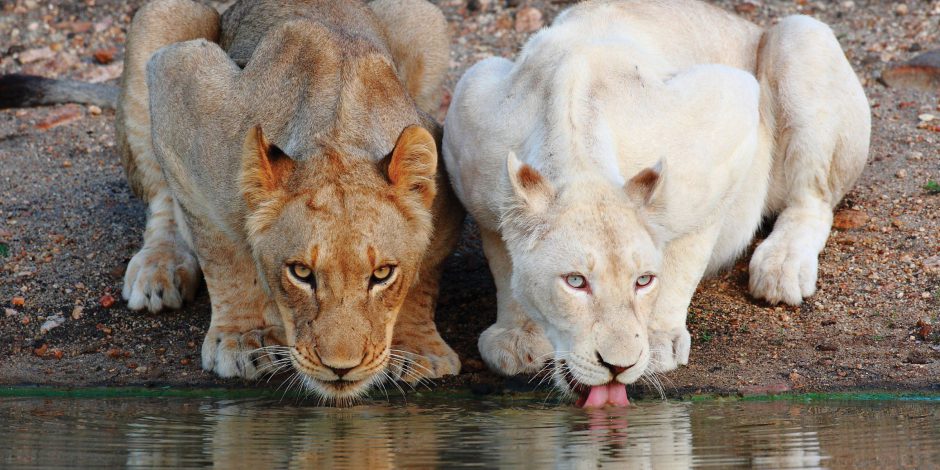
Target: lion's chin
{"points": [[338, 392]]}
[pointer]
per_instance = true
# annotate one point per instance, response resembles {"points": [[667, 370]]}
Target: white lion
{"points": [[632, 148]]}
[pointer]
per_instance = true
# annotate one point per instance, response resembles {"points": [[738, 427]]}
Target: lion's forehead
{"points": [[606, 240]]}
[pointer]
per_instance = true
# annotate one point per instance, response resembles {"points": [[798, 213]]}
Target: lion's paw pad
{"points": [[247, 355], [782, 271], [431, 361], [159, 277], [516, 350], [669, 349]]}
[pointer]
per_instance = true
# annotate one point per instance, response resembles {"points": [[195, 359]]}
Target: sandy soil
{"points": [[69, 224]]}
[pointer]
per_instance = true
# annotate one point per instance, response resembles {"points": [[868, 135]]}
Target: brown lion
{"points": [[286, 151]]}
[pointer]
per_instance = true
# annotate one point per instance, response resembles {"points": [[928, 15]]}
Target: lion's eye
{"points": [[644, 281], [382, 274], [302, 273], [576, 281]]}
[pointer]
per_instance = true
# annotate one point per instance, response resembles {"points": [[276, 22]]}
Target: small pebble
{"points": [[902, 173], [528, 19], [94, 110], [51, 323], [901, 9]]}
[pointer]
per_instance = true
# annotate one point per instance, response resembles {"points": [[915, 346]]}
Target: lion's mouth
{"points": [[612, 393], [341, 385]]}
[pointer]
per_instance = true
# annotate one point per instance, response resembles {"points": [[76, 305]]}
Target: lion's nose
{"points": [[614, 369]]}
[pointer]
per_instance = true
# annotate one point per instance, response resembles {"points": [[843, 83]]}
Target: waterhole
{"points": [[450, 432]]}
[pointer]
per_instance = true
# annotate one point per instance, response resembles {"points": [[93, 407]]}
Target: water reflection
{"points": [[177, 433]]}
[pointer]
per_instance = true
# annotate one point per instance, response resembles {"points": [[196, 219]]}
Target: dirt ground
{"points": [[69, 225]]}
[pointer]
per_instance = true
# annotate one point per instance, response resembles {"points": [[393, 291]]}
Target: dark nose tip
{"points": [[616, 370], [340, 372]]}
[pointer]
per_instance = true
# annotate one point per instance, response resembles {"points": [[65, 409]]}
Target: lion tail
{"points": [[20, 91]]}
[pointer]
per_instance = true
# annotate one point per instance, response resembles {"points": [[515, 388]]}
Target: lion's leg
{"points": [[416, 336], [417, 37], [684, 263], [821, 117], [164, 272], [244, 319], [514, 344]]}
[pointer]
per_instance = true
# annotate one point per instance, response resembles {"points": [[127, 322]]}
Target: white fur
{"points": [[738, 122]]}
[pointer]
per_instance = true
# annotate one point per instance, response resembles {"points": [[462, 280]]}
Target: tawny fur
{"points": [[304, 140], [648, 137]]}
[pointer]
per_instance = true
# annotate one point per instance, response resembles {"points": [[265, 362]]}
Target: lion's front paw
{"points": [[783, 270], [161, 276], [240, 354], [669, 349], [515, 350], [420, 356]]}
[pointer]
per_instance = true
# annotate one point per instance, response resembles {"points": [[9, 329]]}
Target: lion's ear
{"points": [[265, 167], [413, 164], [529, 187], [645, 185]]}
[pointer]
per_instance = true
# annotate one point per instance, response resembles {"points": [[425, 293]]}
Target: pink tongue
{"points": [[610, 394]]}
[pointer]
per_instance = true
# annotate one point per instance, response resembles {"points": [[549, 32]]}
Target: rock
{"points": [[923, 329], [34, 55], [77, 313], [827, 347], [901, 9], [745, 8], [18, 301], [102, 73], [921, 72], [916, 357], [104, 24], [848, 219], [106, 301], [9, 312], [901, 174], [51, 323], [41, 351], [528, 19], [94, 110], [105, 56], [60, 117], [926, 117], [76, 27]]}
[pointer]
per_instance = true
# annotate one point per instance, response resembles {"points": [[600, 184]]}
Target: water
{"points": [[447, 432]]}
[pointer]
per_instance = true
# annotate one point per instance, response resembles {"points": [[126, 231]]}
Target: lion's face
{"points": [[585, 268], [339, 250]]}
